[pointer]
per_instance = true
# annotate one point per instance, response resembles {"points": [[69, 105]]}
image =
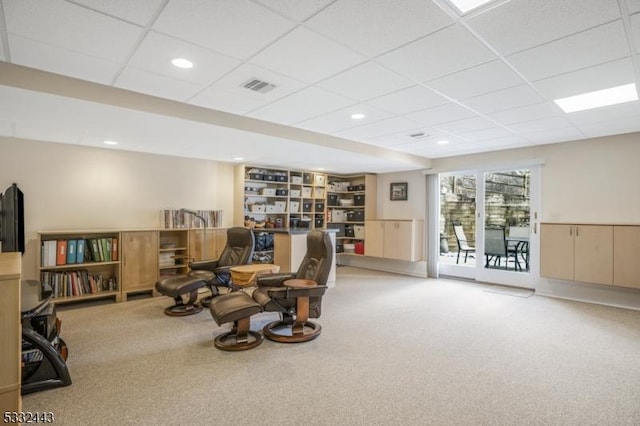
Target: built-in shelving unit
{"points": [[276, 198], [80, 265], [350, 201]]}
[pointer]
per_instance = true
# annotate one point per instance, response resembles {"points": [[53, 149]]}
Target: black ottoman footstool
{"points": [[237, 307]]}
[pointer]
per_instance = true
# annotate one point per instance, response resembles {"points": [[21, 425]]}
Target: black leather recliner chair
{"points": [[297, 305], [208, 273]]}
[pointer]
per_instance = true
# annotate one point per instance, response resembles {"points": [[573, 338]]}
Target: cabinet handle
{"points": [[577, 231], [571, 231]]}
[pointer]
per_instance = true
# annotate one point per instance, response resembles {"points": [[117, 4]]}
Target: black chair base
{"points": [[297, 332], [240, 338], [183, 310], [236, 308]]}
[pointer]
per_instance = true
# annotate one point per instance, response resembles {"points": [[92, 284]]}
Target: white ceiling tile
{"points": [[376, 26], [613, 127], [634, 6], [599, 77], [157, 85], [488, 77], [407, 100], [501, 100], [543, 124], [466, 125], [157, 50], [553, 136], [221, 99], [595, 46], [341, 120], [219, 95], [307, 56], [520, 24], [526, 113], [635, 24], [430, 147], [71, 27], [404, 139], [61, 61], [381, 128], [449, 50], [365, 81], [441, 114], [490, 134], [603, 114], [238, 28], [296, 9], [138, 12], [303, 105]]}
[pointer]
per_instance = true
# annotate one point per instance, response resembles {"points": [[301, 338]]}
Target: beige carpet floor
{"points": [[394, 350]]}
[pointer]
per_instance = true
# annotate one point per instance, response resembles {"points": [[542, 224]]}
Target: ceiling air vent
{"points": [[418, 135], [259, 86]]}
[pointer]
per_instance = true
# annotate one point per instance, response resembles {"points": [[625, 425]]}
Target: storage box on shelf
{"points": [[350, 201], [80, 264], [266, 196]]}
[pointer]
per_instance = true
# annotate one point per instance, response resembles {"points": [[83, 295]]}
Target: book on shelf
{"points": [[49, 253], [114, 249], [71, 251], [61, 257], [80, 251], [77, 283], [176, 218]]}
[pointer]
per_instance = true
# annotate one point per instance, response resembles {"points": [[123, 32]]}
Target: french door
{"points": [[489, 225]]}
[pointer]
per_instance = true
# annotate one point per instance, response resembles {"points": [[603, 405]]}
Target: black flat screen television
{"points": [[12, 220]]}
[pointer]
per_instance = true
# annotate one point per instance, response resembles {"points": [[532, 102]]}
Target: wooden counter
{"points": [[10, 338]]}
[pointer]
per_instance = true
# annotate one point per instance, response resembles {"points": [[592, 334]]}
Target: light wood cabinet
{"points": [[374, 237], [626, 246], [216, 239], [139, 261], [10, 338], [582, 253], [394, 239]]}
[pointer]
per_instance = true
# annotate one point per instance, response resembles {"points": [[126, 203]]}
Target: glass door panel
{"points": [[458, 194], [488, 225]]}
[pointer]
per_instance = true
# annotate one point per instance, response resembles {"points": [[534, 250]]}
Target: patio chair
{"points": [[495, 248], [463, 243], [518, 244]]}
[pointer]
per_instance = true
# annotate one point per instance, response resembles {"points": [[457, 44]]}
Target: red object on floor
{"points": [[359, 249]]}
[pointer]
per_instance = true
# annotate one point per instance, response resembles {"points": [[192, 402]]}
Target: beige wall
{"points": [[74, 187], [413, 208]]}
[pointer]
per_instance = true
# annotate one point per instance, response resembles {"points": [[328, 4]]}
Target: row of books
{"points": [[170, 219], [82, 250], [77, 283]]}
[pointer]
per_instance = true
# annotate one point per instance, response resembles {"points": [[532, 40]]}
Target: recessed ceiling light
{"points": [[182, 63], [238, 158], [357, 116], [599, 98], [320, 168], [442, 142], [466, 5], [110, 143]]}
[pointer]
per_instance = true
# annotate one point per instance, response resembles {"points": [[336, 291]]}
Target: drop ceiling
{"points": [[84, 71]]}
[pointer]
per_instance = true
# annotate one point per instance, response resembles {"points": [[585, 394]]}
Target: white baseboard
{"points": [[414, 269], [619, 297]]}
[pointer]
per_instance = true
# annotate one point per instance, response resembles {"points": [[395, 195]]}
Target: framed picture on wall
{"points": [[398, 191]]}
